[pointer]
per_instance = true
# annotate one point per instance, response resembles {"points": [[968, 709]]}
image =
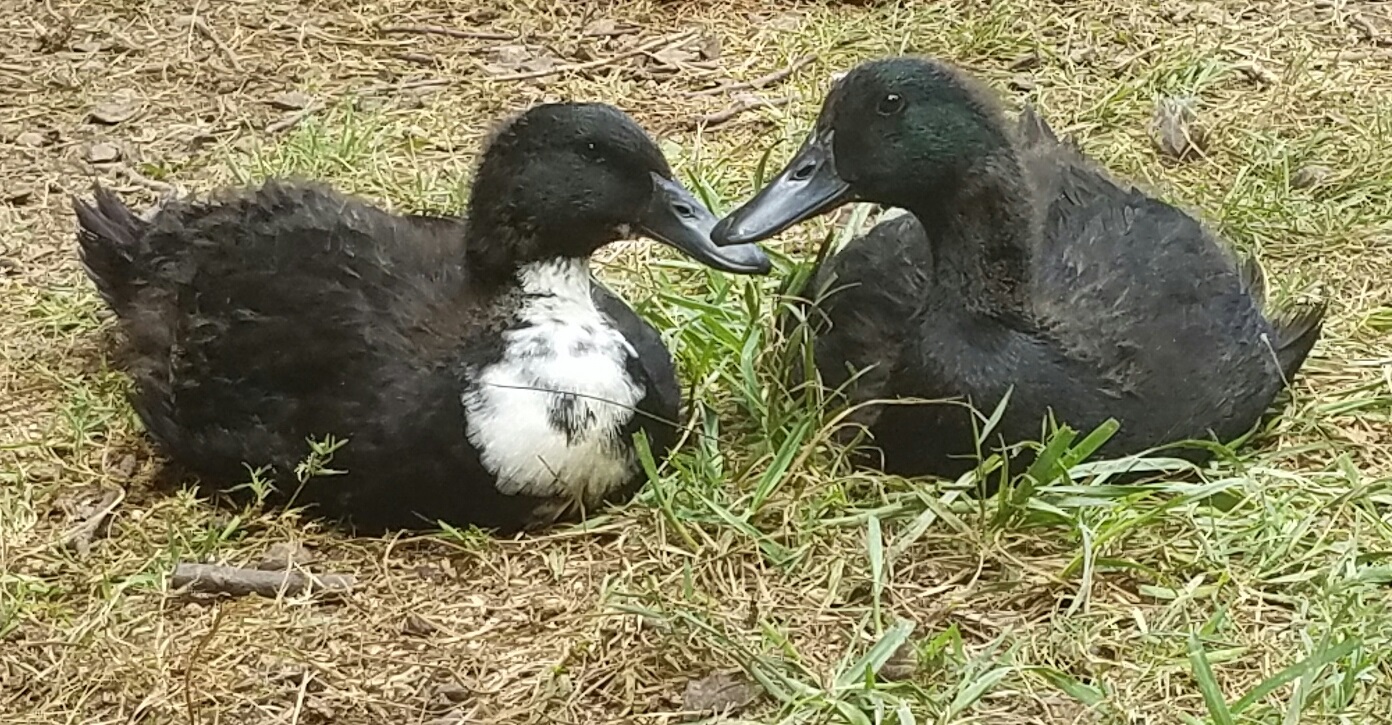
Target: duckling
{"points": [[1020, 267], [471, 368]]}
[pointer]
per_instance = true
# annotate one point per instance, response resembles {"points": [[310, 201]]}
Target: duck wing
{"points": [[1141, 293], [866, 300], [260, 318]]}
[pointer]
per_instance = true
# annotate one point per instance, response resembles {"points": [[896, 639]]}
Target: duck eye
{"points": [[891, 104], [592, 152]]}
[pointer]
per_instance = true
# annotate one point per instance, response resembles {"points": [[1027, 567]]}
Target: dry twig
{"points": [[215, 579], [295, 118], [648, 47], [449, 32], [773, 78], [81, 537], [744, 104], [202, 26]]}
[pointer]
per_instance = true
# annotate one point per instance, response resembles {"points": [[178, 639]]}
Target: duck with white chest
{"points": [[476, 371]]}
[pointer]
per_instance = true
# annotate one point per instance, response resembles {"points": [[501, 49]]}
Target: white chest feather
{"points": [[547, 418]]}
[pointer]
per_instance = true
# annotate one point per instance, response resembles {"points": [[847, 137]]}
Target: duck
{"points": [[1017, 271], [451, 370]]}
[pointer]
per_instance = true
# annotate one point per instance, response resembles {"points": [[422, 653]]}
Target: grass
{"points": [[1255, 591]]}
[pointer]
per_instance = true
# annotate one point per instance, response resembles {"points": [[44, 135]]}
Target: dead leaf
{"points": [[607, 28], [1023, 83], [1025, 61], [32, 139], [19, 197], [1256, 71], [1082, 56], [1310, 176], [504, 59], [1175, 127], [103, 152], [786, 22], [125, 466], [709, 47], [452, 692], [901, 665], [417, 626], [286, 555], [291, 100], [676, 56], [720, 692], [93, 46], [114, 112]]}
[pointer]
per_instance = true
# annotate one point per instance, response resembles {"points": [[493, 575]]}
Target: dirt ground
{"points": [[1281, 577]]}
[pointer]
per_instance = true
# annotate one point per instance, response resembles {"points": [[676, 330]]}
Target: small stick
{"points": [[139, 179], [765, 80], [616, 32], [1365, 29], [294, 119], [747, 104], [450, 32], [211, 578], [81, 537], [202, 27], [663, 43], [419, 58]]}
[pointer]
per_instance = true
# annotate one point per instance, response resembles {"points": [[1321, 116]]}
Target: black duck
{"points": [[476, 372], [1022, 267]]}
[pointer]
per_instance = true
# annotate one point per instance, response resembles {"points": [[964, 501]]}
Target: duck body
{"points": [[1025, 269], [503, 395]]}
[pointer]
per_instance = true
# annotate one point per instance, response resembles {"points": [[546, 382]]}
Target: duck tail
{"points": [[1297, 329], [108, 238], [1034, 129]]}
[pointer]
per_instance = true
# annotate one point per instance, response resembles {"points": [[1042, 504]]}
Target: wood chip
{"points": [[215, 579]]}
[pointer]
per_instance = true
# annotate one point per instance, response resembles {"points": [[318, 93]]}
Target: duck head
{"points": [[564, 179], [895, 131]]}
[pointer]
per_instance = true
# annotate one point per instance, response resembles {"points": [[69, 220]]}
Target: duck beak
{"points": [[806, 187], [675, 218]]}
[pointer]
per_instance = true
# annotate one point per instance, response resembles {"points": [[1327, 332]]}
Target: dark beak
{"points": [[674, 217], [806, 187]]}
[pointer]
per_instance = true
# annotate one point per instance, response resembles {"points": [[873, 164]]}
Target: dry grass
{"points": [[1256, 595]]}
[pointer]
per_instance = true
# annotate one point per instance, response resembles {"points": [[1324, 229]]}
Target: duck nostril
{"points": [[684, 210], [804, 172]]}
